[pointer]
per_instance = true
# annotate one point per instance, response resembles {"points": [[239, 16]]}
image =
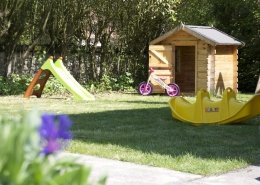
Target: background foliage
{"points": [[110, 38]]}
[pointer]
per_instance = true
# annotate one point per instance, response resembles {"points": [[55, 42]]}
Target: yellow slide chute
{"points": [[206, 111]]}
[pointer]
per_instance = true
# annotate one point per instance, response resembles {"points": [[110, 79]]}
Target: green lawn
{"points": [[130, 127]]}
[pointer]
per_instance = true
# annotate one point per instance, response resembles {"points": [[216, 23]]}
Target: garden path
{"points": [[125, 173]]}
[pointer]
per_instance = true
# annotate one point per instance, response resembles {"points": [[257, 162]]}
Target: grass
{"points": [[130, 127]]}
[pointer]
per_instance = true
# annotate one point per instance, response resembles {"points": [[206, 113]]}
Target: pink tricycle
{"points": [[145, 88]]}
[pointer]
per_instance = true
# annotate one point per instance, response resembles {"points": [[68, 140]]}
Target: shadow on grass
{"points": [[155, 131]]}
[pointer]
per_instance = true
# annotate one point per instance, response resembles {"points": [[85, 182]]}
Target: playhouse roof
{"points": [[208, 34]]}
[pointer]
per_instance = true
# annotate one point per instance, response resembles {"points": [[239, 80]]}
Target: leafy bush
{"points": [[28, 143], [120, 83], [54, 87], [14, 84], [17, 84]]}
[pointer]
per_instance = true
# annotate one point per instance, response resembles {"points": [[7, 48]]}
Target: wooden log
{"points": [[164, 72], [160, 47], [183, 43]]}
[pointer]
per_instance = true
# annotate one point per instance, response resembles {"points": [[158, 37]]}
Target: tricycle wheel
{"points": [[173, 91], [145, 88]]}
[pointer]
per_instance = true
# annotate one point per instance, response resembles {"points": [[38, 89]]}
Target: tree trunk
{"points": [[7, 66], [7, 63], [2, 63]]}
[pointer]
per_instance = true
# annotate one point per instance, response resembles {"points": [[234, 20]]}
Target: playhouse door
{"points": [[161, 60], [185, 68]]}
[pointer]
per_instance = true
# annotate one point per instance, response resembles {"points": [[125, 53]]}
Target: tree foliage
{"points": [[13, 16], [238, 18], [111, 37]]}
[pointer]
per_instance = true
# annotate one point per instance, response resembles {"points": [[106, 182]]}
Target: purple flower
{"points": [[64, 126], [54, 131], [51, 147]]}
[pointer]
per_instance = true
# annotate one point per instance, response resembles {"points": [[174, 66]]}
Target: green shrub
{"points": [[23, 160], [54, 87], [116, 83], [17, 84], [14, 84]]}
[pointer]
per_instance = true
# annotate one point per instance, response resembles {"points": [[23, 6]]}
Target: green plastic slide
{"points": [[67, 80]]}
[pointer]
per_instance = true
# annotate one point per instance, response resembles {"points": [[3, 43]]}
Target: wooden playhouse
{"points": [[195, 57]]}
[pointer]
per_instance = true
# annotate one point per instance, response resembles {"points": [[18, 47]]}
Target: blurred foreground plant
{"points": [[28, 142]]}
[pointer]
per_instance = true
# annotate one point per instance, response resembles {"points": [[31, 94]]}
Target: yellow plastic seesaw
{"points": [[206, 111]]}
